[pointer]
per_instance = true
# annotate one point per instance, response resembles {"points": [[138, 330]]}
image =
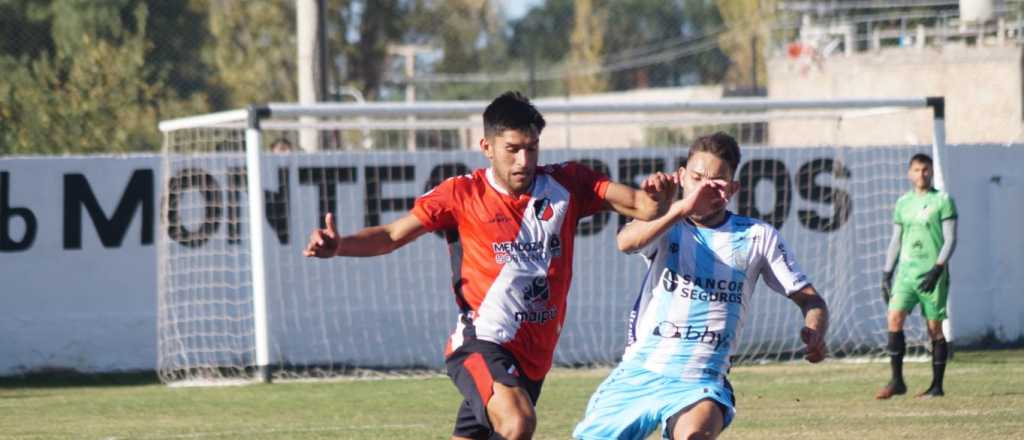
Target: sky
{"points": [[517, 8]]}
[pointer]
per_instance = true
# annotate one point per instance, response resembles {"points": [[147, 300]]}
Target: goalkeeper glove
{"points": [[930, 279], [886, 286]]}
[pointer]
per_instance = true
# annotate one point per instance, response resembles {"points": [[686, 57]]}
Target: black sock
{"points": [[897, 348], [940, 350]]}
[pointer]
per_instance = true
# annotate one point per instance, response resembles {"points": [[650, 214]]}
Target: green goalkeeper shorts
{"points": [[906, 295]]}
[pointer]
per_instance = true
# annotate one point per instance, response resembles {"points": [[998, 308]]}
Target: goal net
{"points": [[243, 189]]}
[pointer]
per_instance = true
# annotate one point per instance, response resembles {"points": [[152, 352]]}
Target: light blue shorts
{"points": [[633, 401]]}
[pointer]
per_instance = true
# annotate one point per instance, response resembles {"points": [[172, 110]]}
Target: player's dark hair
{"points": [[920, 158], [719, 144], [512, 111]]}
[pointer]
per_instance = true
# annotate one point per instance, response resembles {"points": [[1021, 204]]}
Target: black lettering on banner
{"points": [[275, 204], [774, 171], [375, 203], [594, 224], [326, 179], [810, 190], [78, 194], [438, 174], [8, 243], [193, 180], [631, 168]]}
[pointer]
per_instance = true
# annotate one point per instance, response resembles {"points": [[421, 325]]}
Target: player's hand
{"points": [[710, 197], [931, 278], [323, 243], [815, 342], [660, 186], [886, 287]]}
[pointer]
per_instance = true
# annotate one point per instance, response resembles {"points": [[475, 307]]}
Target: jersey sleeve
{"points": [[589, 186], [948, 209], [780, 271], [436, 208]]}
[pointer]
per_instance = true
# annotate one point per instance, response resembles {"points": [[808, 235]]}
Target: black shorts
{"points": [[474, 368]]}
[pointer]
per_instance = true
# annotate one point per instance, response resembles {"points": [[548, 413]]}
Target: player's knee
{"points": [[895, 321], [516, 427]]}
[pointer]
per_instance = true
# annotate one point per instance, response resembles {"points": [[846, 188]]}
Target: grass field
{"points": [[985, 400]]}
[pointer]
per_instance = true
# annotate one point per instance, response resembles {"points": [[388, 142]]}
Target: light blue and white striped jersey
{"points": [[694, 297]]}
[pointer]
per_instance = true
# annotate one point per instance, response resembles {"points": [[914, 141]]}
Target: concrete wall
{"points": [[987, 290], [982, 86]]}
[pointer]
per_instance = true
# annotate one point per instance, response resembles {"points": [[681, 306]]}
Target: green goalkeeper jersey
{"points": [[920, 216]]}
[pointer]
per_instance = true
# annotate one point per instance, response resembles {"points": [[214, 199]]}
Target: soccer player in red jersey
{"points": [[516, 224]]}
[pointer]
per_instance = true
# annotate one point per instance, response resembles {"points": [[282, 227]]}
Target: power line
{"points": [[618, 62]]}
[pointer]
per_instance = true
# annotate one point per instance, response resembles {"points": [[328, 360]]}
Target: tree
{"points": [[379, 24], [659, 43], [89, 93], [749, 23], [541, 33], [252, 51], [587, 42], [471, 36]]}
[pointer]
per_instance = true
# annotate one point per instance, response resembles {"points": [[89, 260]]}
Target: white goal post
{"points": [[238, 302]]}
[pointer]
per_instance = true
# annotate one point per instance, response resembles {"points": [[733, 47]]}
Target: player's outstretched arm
{"points": [[647, 203], [709, 197], [815, 322], [368, 242]]}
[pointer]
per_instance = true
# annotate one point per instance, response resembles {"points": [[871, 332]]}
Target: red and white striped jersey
{"points": [[512, 263]]}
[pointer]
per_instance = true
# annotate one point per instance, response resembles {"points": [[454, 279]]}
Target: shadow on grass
{"points": [[63, 378]]}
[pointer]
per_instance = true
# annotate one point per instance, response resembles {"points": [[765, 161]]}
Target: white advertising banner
{"points": [[79, 260]]}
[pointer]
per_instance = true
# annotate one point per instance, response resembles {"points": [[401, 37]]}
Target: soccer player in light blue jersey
{"points": [[703, 264]]}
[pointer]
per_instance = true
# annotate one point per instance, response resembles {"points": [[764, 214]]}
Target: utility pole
{"points": [[306, 20], [408, 52], [753, 55]]}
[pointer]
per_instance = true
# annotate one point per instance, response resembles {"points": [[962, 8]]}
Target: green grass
{"points": [[985, 400]]}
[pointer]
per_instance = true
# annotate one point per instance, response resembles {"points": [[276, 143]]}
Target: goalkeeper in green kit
{"points": [[924, 235]]}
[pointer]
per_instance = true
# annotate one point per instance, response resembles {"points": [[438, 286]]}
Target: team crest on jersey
{"points": [[542, 209], [741, 258], [924, 213]]}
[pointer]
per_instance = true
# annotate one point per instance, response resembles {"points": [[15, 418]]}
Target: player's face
{"points": [[513, 155], [920, 175], [703, 166]]}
